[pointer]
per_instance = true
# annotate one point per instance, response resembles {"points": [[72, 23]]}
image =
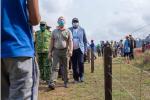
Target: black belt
{"points": [[60, 48]]}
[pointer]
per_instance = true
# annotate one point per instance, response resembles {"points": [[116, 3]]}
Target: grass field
{"points": [[142, 60], [93, 88]]}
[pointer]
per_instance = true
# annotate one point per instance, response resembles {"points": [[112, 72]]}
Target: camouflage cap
{"points": [[42, 22], [48, 26]]}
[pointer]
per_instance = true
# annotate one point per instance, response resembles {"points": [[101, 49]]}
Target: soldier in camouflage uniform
{"points": [[42, 39]]}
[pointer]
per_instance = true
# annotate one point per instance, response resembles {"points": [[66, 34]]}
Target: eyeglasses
{"points": [[42, 25]]}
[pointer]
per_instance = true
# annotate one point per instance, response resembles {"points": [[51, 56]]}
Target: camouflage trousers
{"points": [[44, 66]]}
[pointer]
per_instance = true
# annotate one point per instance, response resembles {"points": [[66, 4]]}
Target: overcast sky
{"points": [[101, 19]]}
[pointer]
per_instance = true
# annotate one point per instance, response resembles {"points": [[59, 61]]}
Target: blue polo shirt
{"points": [[16, 34], [126, 46]]}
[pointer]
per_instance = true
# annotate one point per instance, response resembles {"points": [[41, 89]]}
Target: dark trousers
{"points": [[131, 55], [77, 64]]}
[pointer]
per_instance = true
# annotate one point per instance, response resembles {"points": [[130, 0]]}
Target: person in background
{"points": [[127, 49], [102, 47], [118, 50], [42, 41], [115, 49], [92, 45], [131, 39], [79, 49], [98, 49], [61, 50], [143, 47], [121, 47], [111, 44], [19, 70], [88, 53]]}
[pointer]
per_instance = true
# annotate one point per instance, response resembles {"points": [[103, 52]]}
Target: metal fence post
{"points": [[108, 72]]}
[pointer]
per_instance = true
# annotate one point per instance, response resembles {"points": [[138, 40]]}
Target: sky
{"points": [[101, 19]]}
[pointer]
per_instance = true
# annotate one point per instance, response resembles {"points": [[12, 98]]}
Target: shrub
{"points": [[146, 57]]}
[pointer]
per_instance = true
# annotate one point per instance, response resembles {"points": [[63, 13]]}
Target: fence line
{"points": [[146, 72], [121, 62]]}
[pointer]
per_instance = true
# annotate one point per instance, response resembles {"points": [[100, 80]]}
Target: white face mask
{"points": [[75, 25]]}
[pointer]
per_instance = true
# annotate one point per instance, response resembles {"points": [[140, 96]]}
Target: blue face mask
{"points": [[61, 22], [42, 28]]}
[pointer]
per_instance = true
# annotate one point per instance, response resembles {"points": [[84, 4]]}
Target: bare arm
{"points": [[34, 16]]}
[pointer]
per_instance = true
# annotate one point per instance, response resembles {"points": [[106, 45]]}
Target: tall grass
{"points": [[143, 60]]}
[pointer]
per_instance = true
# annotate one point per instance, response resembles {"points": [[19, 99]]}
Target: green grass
{"points": [[93, 87]]}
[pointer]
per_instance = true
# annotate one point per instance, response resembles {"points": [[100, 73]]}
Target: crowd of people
{"points": [[58, 50], [145, 46], [123, 48], [23, 50], [21, 54], [67, 44]]}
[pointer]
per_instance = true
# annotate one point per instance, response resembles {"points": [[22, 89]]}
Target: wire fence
{"points": [[134, 83], [129, 81]]}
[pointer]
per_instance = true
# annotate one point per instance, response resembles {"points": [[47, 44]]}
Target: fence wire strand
{"points": [[141, 71]]}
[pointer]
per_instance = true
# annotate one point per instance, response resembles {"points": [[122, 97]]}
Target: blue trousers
{"points": [[77, 64]]}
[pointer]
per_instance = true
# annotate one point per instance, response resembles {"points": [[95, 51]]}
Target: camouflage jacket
{"points": [[42, 40]]}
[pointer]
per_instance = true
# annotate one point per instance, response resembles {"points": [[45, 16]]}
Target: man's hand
{"points": [[70, 53], [85, 53]]}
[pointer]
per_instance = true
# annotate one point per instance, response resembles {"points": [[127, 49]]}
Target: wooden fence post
{"points": [[108, 72]]}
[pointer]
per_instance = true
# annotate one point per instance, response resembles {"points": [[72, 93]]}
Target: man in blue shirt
{"points": [[19, 71], [79, 49], [92, 45], [127, 49]]}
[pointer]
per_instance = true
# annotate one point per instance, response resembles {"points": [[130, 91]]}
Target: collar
{"points": [[61, 28]]}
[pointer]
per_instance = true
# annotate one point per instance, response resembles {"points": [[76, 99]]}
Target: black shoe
{"points": [[66, 85], [75, 81], [51, 86], [81, 79]]}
